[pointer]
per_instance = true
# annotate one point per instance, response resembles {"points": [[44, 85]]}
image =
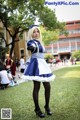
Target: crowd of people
{"points": [[8, 70]]}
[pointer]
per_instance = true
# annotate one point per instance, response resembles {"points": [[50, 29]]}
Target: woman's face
{"points": [[36, 33]]}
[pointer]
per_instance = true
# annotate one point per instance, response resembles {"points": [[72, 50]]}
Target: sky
{"points": [[65, 10]]}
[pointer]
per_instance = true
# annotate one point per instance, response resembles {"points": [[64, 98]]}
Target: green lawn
{"points": [[78, 62], [65, 97]]}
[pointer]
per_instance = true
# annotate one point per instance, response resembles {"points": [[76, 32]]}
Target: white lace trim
{"points": [[37, 78]]}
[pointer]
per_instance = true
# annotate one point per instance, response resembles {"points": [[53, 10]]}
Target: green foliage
{"points": [[48, 56], [76, 54], [15, 14], [49, 20], [18, 15], [35, 6], [49, 36]]}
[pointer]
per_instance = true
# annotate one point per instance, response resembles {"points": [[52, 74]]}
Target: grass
{"points": [[78, 62], [64, 102]]}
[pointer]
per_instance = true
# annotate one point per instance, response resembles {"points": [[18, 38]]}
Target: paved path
{"points": [[60, 65]]}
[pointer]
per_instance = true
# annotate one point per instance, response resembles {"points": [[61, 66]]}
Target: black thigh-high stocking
{"points": [[47, 93], [36, 95]]}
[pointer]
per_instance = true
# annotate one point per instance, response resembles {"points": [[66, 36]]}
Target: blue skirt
{"points": [[38, 70]]}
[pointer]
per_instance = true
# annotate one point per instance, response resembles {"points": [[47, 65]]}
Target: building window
{"points": [[21, 52], [73, 48], [72, 40], [63, 41], [48, 50], [64, 49], [78, 47], [77, 40], [78, 22], [74, 31]]}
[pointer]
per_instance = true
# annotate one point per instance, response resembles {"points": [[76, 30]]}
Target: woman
{"points": [[22, 64], [8, 63], [4, 80], [38, 70]]}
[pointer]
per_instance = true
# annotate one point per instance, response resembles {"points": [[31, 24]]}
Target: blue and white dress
{"points": [[37, 69]]}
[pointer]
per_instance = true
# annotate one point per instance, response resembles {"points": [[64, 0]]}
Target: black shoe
{"points": [[48, 111], [40, 114]]}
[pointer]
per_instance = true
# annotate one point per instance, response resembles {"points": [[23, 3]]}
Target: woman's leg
{"points": [[36, 94], [47, 97], [6, 85], [47, 93], [36, 99]]}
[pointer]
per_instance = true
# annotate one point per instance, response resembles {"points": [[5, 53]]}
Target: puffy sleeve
{"points": [[35, 46], [31, 46]]}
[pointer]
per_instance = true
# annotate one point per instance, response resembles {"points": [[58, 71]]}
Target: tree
{"points": [[49, 36], [76, 54], [18, 15], [3, 50], [14, 20]]}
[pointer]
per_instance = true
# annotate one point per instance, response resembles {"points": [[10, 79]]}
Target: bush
{"points": [[76, 54], [49, 58]]}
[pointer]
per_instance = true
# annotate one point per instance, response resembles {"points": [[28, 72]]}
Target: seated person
{"points": [[4, 80]]}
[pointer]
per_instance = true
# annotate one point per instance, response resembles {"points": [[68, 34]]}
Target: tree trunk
{"points": [[12, 47]]}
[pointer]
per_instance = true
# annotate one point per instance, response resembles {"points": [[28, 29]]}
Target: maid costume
{"points": [[37, 68]]}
